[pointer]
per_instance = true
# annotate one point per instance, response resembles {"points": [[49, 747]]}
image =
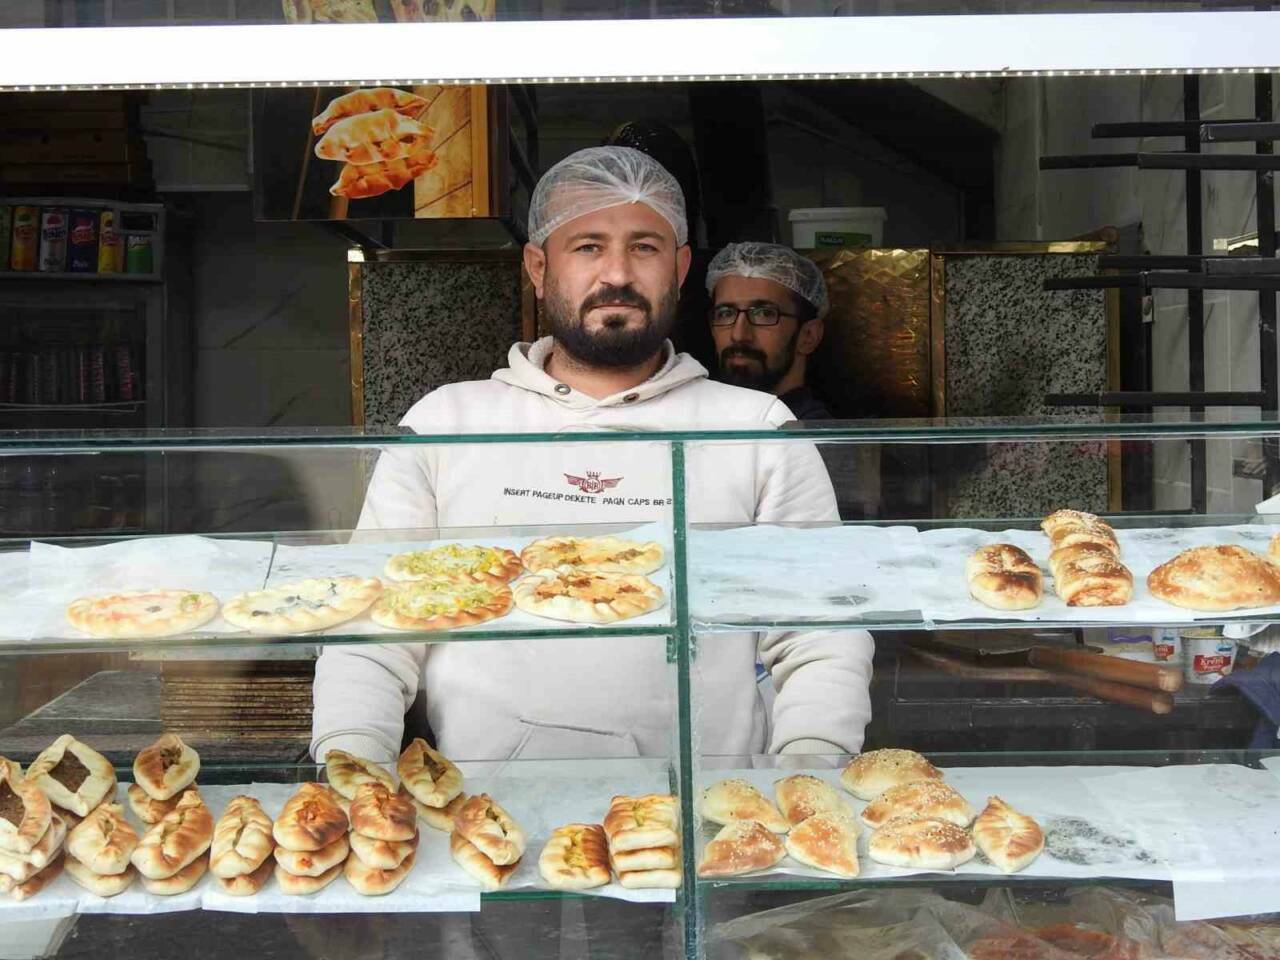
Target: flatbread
{"points": [[455, 560], [302, 606], [440, 603], [347, 773], [583, 596], [428, 775], [576, 857], [373, 138], [599, 554], [364, 180], [367, 101], [140, 614]]}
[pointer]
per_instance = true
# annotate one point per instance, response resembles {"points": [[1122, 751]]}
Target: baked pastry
{"points": [[455, 560], [1087, 575], [30, 887], [343, 803], [72, 775], [441, 603], [380, 814], [437, 818], [151, 613], [362, 181], [369, 881], [330, 11], [651, 879], [800, 796], [10, 770], [310, 820], [20, 866], [576, 857], [1004, 577], [921, 843], [731, 800], [373, 138], [584, 596], [247, 884], [650, 858], [636, 823], [179, 882], [148, 809], [1009, 839], [826, 841], [369, 100], [740, 847], [302, 607], [166, 768], [104, 840], [347, 773], [314, 863], [1215, 578], [1273, 552], [382, 854], [299, 886], [242, 839], [428, 775], [870, 774], [597, 554], [1067, 528], [468, 856], [931, 799], [494, 833], [24, 812], [100, 884], [176, 841]]}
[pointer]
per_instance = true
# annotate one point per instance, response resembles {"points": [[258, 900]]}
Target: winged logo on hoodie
{"points": [[592, 483]]}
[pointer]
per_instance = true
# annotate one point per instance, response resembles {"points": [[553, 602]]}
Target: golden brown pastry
{"points": [[381, 854], [314, 863], [368, 101], [104, 840], [800, 796], [469, 857], [242, 839], [428, 775], [1215, 578], [651, 858], [1067, 528], [166, 768], [247, 884], [10, 770], [1004, 577], [741, 847], [174, 843], [347, 772], [373, 137], [99, 884], [1273, 554], [374, 882], [827, 841], [437, 818], [1009, 839], [380, 814], [179, 882], [149, 810], [374, 179], [298, 886], [1086, 575], [494, 833], [921, 843], [311, 820], [576, 857], [870, 774], [72, 775], [25, 812], [23, 866], [30, 887], [730, 800], [651, 879], [932, 799], [634, 823]]}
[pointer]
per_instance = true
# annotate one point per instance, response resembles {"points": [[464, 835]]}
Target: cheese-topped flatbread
{"points": [[583, 596], [455, 560], [302, 606], [441, 603], [151, 613], [601, 554]]}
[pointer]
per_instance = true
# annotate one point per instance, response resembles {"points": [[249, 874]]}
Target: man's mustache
{"points": [[610, 296], [746, 353]]}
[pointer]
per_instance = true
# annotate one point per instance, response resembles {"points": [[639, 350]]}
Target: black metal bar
{"points": [[1157, 398], [1242, 266], [1263, 108], [1195, 297], [1172, 160], [1151, 261], [1166, 280], [1145, 128], [1239, 132]]}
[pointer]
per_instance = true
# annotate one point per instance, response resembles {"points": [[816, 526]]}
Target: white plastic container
{"points": [[815, 227], [1208, 656], [1168, 644]]}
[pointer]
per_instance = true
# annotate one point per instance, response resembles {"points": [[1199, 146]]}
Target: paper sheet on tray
{"points": [[944, 596]]}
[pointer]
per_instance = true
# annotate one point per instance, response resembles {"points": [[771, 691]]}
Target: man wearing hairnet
{"points": [[607, 253], [767, 307]]}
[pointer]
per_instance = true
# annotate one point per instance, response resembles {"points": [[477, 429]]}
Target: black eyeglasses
{"points": [[758, 315]]}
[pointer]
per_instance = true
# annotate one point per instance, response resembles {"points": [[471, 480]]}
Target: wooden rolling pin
{"points": [[1150, 676]]}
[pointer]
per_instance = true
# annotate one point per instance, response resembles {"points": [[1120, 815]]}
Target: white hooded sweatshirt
{"points": [[590, 697]]}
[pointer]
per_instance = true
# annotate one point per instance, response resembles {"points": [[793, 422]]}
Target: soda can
{"points": [[110, 244], [26, 238], [53, 240], [6, 234], [138, 256], [82, 249]]}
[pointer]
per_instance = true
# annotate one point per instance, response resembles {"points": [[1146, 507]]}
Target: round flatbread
{"points": [[599, 554], [302, 606], [583, 596], [455, 560], [441, 603], [149, 613]]}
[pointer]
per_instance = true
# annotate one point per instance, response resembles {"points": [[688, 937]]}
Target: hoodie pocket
{"points": [[552, 741]]}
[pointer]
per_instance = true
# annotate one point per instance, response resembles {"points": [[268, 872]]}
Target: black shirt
{"points": [[804, 404]]}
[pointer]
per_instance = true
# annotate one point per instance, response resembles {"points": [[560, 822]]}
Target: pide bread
{"points": [[311, 820], [740, 847], [575, 857], [381, 854], [104, 840], [302, 607], [99, 884], [800, 796], [371, 881], [1004, 577], [373, 138], [180, 882], [441, 603], [650, 858], [437, 818], [357, 181], [176, 841], [932, 799], [735, 799], [596, 554], [469, 857], [30, 887], [428, 775], [296, 886], [1086, 575], [491, 829], [146, 808], [456, 560], [152, 613], [72, 775], [347, 772], [23, 865], [586, 596], [826, 841], [242, 839], [369, 100], [247, 884], [314, 863], [636, 823], [25, 812], [870, 774], [382, 814], [651, 879], [1214, 578], [1009, 839], [166, 768], [921, 843]]}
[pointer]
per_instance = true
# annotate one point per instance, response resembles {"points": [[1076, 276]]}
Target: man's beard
{"points": [[614, 345], [759, 375]]}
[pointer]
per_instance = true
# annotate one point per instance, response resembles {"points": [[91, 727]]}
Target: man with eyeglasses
{"points": [[768, 304]]}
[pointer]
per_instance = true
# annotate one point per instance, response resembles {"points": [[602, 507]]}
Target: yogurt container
{"points": [[1208, 656], [1167, 644]]}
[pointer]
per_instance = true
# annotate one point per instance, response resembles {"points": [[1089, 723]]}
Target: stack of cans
{"points": [[70, 240]]}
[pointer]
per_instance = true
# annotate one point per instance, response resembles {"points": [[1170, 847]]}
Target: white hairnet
{"points": [[601, 177], [771, 261]]}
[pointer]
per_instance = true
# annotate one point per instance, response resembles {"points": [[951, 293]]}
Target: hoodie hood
{"points": [[527, 370]]}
